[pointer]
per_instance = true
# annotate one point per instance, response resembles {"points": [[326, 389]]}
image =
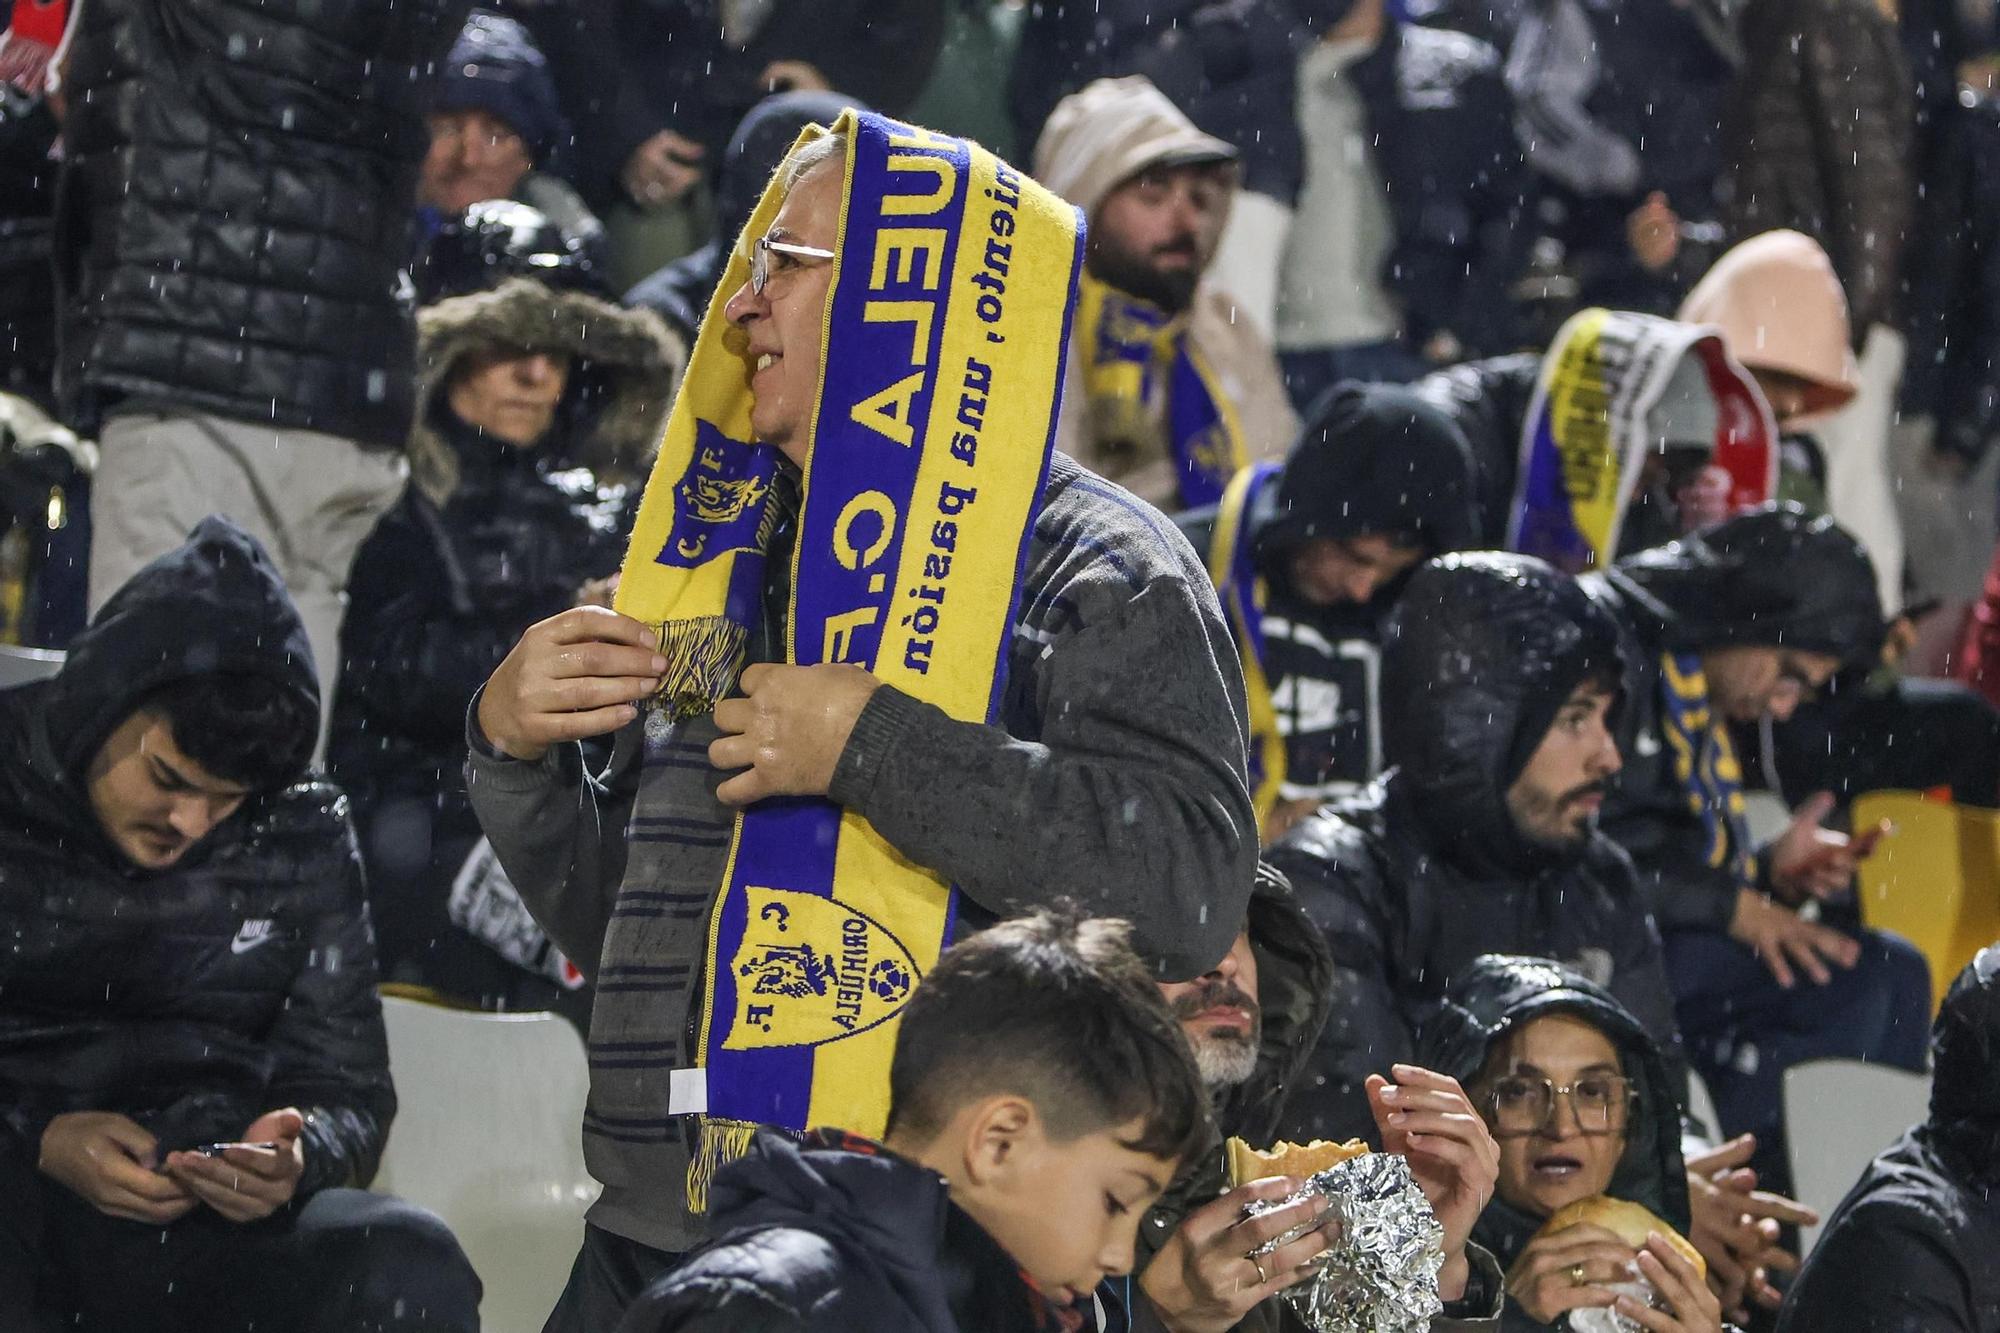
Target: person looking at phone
{"points": [[192, 1062], [1739, 621]]}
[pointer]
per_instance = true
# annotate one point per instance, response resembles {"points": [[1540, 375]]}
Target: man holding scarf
{"points": [[1172, 391], [981, 679]]}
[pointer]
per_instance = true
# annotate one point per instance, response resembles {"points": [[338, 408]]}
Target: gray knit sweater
{"points": [[1116, 779]]}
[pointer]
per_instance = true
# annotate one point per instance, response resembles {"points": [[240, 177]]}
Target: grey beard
{"points": [[1224, 1062]]}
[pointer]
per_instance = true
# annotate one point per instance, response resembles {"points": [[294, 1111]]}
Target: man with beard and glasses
{"points": [[1252, 1020], [1500, 683], [1170, 392]]}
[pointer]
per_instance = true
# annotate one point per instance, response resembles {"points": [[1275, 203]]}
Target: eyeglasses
{"points": [[770, 258], [1522, 1106]]}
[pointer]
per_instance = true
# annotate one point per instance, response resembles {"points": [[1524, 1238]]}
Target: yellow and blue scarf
{"points": [[1242, 590], [1134, 352], [945, 334], [1705, 762]]}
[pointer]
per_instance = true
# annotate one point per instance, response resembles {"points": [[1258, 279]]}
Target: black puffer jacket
{"points": [[1419, 876], [1776, 575], [834, 1235], [1911, 1248], [487, 540], [1497, 996], [1819, 136], [27, 244], [238, 196], [242, 979]]}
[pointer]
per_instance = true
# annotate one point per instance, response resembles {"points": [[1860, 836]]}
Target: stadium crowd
{"points": [[991, 599]]}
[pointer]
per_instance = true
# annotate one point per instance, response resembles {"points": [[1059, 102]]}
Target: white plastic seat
{"points": [[488, 1136], [20, 666], [1838, 1115]]}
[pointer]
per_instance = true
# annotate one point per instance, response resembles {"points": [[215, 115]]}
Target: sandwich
{"points": [[1288, 1159], [1628, 1221]]}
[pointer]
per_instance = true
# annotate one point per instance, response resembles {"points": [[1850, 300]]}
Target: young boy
{"points": [[1041, 1098]]}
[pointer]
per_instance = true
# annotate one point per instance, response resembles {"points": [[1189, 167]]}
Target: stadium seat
{"points": [[1935, 881], [1838, 1115], [20, 666], [489, 1137]]}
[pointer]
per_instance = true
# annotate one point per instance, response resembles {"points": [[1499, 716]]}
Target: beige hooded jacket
{"points": [[1780, 307], [1096, 139]]}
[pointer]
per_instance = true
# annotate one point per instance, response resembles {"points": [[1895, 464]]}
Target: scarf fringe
{"points": [[722, 1142], [703, 656]]}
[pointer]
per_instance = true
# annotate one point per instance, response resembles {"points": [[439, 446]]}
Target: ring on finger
{"points": [[1258, 1264], [1576, 1275]]}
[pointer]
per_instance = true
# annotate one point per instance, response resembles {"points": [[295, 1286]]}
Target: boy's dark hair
{"points": [[241, 727], [1057, 1009]]}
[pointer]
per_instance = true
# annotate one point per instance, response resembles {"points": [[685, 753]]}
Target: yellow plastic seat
{"points": [[1935, 881]]}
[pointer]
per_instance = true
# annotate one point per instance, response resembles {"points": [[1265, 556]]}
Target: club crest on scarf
{"points": [[811, 970], [721, 498]]}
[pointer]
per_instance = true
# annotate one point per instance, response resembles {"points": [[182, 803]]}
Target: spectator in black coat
{"points": [[539, 408], [236, 203], [190, 963], [1499, 680], [1912, 1245]]}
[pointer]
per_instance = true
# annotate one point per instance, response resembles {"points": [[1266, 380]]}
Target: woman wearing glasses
{"points": [[1581, 1102]]}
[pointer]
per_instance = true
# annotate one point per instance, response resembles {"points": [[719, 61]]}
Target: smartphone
{"points": [[217, 1149]]}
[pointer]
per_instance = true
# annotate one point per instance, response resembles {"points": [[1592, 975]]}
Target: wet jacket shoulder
{"points": [[240, 979], [282, 143], [1820, 135], [839, 1234], [1443, 139], [1489, 400]]}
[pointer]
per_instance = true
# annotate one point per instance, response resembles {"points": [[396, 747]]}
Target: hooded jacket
{"points": [[1498, 995], [487, 540], [682, 290], [836, 1234], [1774, 577], [1095, 140], [1779, 305], [236, 203], [1912, 1245], [1415, 878], [241, 979], [1371, 460]]}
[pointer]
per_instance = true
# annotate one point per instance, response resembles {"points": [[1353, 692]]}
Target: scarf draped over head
{"points": [[1613, 390], [1142, 376], [946, 327]]}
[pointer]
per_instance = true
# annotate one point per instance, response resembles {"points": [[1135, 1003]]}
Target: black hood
{"points": [[214, 604], [1372, 459], [1965, 1074], [1773, 577], [1496, 995], [1294, 997], [763, 137], [1480, 653]]}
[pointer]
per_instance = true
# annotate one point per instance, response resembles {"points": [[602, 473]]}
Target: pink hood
{"points": [[1780, 307]]}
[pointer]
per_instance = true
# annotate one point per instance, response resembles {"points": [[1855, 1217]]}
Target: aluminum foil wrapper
{"points": [[1381, 1276], [1603, 1320]]}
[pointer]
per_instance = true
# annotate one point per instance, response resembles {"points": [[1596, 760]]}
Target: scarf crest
{"points": [[1705, 762], [946, 326], [1140, 366]]}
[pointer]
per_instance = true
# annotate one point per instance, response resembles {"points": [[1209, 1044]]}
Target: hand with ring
{"points": [[1213, 1270], [1559, 1273]]}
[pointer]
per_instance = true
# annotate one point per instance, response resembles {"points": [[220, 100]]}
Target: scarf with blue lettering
{"points": [[1705, 763], [946, 327], [1139, 367]]}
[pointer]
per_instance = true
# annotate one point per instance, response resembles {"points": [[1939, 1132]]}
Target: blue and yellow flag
{"points": [[947, 325]]}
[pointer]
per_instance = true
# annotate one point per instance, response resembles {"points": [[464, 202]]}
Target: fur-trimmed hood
{"points": [[626, 367]]}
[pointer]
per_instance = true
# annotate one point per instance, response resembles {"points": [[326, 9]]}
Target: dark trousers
{"points": [[345, 1261], [609, 1274], [1743, 1030]]}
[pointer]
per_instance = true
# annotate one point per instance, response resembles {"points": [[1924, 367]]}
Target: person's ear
{"points": [[1001, 1136]]}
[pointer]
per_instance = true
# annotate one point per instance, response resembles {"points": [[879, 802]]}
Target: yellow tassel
{"points": [[722, 1142], [703, 654]]}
